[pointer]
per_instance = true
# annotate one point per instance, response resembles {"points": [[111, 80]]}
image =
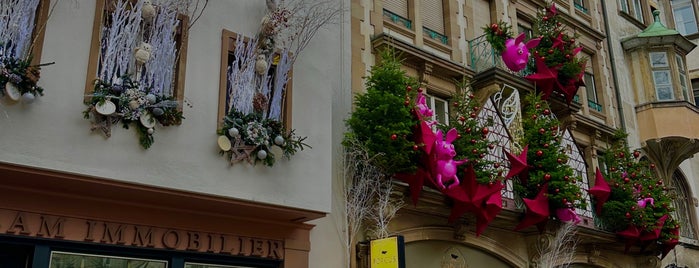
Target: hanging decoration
{"points": [[635, 203], [257, 78], [136, 70], [547, 184], [18, 77], [556, 66]]}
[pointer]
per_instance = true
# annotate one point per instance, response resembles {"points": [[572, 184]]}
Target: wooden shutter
{"points": [[433, 15], [399, 7]]}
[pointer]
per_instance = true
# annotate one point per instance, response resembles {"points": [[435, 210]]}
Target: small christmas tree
{"points": [[382, 119], [638, 197], [473, 143], [556, 47], [546, 158]]}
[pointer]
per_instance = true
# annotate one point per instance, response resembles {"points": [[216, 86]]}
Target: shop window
{"points": [[168, 79], [397, 12], [235, 54], [440, 107], [683, 205], [18, 256], [433, 20], [72, 260], [685, 18], [16, 44], [662, 78]]}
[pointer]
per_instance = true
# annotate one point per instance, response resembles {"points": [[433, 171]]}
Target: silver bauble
{"points": [[233, 132], [151, 98], [279, 140], [150, 131], [261, 154], [157, 111], [28, 97]]}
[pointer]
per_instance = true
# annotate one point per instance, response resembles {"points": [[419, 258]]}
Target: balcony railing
{"points": [[435, 35], [395, 18], [484, 57], [582, 8], [594, 105]]}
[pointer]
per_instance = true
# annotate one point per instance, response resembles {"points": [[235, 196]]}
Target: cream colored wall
{"points": [[52, 134]]}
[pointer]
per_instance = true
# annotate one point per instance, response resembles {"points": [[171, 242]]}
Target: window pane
{"points": [[685, 20], [440, 111], [590, 87], [638, 12], [661, 78], [624, 6], [658, 59], [682, 206], [70, 260], [680, 63]]}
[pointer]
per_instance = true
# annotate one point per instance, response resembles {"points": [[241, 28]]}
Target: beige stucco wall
{"points": [[51, 133]]}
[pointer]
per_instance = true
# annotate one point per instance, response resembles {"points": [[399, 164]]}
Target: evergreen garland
{"points": [[632, 179], [383, 119], [546, 158], [496, 34]]}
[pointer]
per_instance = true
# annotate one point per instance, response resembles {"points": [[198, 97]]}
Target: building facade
{"points": [[442, 42], [75, 198]]}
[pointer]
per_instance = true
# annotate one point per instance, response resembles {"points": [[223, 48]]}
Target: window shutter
{"points": [[399, 7], [433, 15]]}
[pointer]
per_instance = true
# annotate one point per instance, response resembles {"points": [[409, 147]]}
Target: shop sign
{"points": [[29, 224], [387, 253]]}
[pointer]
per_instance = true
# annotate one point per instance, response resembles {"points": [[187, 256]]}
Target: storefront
{"points": [[50, 219]]}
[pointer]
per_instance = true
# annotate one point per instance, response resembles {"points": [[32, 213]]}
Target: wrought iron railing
{"points": [[483, 57], [594, 105], [581, 8], [395, 18], [435, 35]]}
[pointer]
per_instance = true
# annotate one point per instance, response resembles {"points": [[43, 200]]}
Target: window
{"points": [[167, 76], [685, 19], [397, 12], [70, 260], [580, 5], [662, 78], [526, 29], [440, 107], [433, 20], [683, 205], [624, 6], [638, 10], [18, 44], [591, 91], [682, 70], [236, 53]]}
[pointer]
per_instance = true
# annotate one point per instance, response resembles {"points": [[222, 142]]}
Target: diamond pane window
{"points": [[577, 162], [498, 133]]}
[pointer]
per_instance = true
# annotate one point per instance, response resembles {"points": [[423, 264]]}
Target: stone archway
{"points": [[437, 247]]}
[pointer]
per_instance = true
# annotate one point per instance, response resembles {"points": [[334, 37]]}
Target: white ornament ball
{"points": [[233, 132], [157, 111], [279, 140], [261, 154], [28, 97], [151, 98], [150, 131]]}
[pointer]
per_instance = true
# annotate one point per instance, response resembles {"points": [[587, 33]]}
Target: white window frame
{"points": [[637, 10], [432, 102], [624, 6], [682, 71], [681, 22], [661, 68]]}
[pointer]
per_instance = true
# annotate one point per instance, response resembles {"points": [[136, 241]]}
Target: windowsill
{"points": [[399, 28], [632, 19], [564, 6], [688, 242], [438, 45], [599, 115], [584, 15], [692, 36]]}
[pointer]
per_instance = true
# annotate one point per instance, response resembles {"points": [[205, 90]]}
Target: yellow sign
{"points": [[388, 253]]}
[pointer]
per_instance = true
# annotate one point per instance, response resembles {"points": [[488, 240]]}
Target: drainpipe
{"points": [[620, 108]]}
